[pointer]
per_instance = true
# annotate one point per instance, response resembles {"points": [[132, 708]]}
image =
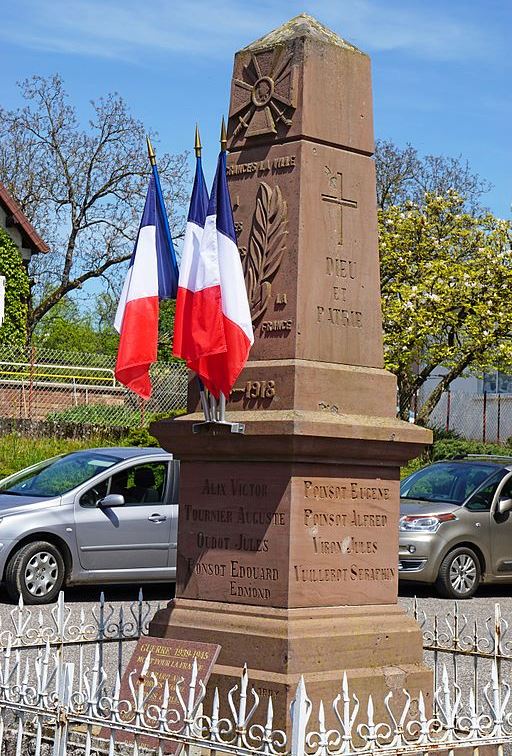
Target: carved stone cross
{"points": [[339, 199]]}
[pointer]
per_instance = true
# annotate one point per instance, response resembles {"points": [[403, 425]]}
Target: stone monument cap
{"points": [[301, 80], [302, 25]]}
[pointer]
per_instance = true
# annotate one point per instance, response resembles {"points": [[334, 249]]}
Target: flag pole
{"points": [[202, 393], [223, 147]]}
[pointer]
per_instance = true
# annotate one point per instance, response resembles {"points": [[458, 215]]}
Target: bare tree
{"points": [[403, 175], [82, 189]]}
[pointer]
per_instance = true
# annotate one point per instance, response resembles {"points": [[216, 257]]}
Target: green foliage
{"points": [[139, 437], [66, 328], [104, 415], [17, 452], [14, 328], [166, 331], [97, 414], [446, 279], [450, 448], [442, 434]]}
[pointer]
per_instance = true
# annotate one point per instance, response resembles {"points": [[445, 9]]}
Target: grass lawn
{"points": [[17, 452]]}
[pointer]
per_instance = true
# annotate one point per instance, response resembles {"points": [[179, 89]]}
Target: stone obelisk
{"points": [[288, 534]]}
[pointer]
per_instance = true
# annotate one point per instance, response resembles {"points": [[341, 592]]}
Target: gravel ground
{"points": [[468, 671]]}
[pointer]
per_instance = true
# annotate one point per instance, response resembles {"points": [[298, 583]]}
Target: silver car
{"points": [[456, 525], [95, 516]]}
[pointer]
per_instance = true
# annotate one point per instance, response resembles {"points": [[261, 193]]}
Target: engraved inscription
{"points": [[265, 95], [267, 244], [347, 271], [259, 389], [340, 574], [344, 519], [346, 529], [261, 166], [339, 317], [233, 533], [348, 491], [254, 390], [273, 326]]}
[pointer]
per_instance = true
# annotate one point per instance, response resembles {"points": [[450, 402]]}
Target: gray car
{"points": [[456, 525], [95, 516]]}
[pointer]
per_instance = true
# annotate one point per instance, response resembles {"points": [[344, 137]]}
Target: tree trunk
{"points": [[435, 395]]}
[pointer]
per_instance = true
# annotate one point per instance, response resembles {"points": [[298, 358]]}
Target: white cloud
{"points": [[130, 30]]}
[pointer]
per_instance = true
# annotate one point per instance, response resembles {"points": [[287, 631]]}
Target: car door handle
{"points": [[157, 518]]}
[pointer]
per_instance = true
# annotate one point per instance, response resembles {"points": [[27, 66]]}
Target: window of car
{"points": [[482, 498], [57, 476], [448, 482], [140, 484]]}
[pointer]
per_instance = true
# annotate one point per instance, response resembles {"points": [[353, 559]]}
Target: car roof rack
{"points": [[489, 456]]}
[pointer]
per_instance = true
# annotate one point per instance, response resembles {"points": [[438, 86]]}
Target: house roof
{"points": [[30, 238]]}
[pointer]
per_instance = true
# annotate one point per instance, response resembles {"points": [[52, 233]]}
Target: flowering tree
{"points": [[446, 286]]}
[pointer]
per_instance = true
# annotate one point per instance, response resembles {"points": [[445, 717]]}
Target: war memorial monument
{"points": [[288, 533]]}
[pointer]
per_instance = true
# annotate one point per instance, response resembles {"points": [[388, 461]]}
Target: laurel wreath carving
{"points": [[267, 244]]}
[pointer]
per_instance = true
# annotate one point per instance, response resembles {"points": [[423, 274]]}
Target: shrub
{"points": [[451, 448], [14, 328], [442, 434], [139, 437], [105, 415], [142, 436], [96, 414]]}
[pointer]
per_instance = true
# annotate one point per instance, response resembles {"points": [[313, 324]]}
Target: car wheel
{"points": [[36, 572], [459, 574]]}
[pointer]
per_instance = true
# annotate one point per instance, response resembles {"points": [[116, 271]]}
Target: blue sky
{"points": [[442, 71]]}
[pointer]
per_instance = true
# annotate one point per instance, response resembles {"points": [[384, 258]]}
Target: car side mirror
{"points": [[112, 500], [504, 505]]}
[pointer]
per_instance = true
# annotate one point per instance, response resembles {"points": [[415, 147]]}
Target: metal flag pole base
{"points": [[218, 427], [216, 422]]}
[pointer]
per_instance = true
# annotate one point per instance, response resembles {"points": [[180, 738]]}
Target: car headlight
{"points": [[423, 523]]}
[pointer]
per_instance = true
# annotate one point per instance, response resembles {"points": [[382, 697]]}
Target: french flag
{"points": [[152, 276], [215, 325], [195, 300]]}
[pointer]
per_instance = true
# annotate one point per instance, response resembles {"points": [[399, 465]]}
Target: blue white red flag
{"points": [[152, 276], [195, 299], [217, 335]]}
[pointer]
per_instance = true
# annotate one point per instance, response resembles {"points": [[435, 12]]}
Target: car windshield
{"points": [[58, 475], [449, 482]]}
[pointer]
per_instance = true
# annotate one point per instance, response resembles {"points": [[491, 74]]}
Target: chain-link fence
{"points": [[483, 417], [80, 388]]}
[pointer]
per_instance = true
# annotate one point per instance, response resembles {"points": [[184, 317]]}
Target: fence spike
{"points": [[300, 711], [321, 716], [270, 716], [192, 690], [244, 681]]}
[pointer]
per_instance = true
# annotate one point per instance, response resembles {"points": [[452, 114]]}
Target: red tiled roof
{"points": [[30, 237]]}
